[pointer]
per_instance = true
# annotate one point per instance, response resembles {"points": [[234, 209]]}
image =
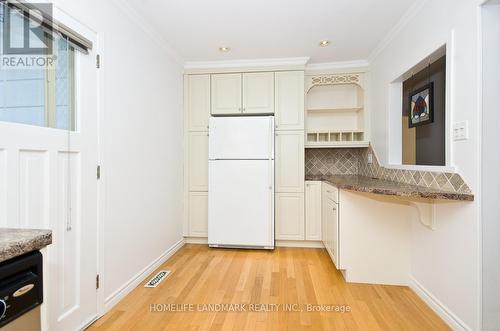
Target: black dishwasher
{"points": [[21, 286]]}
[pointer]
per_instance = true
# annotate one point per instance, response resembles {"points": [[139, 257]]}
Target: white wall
{"points": [[445, 262], [141, 142], [490, 166]]}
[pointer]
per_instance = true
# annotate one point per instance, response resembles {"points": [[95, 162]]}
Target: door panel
{"points": [[290, 161], [241, 203], [226, 94], [198, 102], [289, 100], [290, 216], [258, 93], [313, 210], [198, 214], [198, 161]]}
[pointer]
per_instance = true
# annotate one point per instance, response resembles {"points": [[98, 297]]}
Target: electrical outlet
{"points": [[461, 130], [370, 158]]}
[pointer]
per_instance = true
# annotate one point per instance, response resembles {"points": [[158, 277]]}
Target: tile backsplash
{"points": [[332, 161], [354, 161]]}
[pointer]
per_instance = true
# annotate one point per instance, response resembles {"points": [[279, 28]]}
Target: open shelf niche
{"points": [[335, 114]]}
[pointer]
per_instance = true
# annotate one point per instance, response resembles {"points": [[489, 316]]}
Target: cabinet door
{"points": [[289, 216], [258, 93], [198, 214], [313, 210], [289, 163], [226, 94], [198, 102], [198, 161], [289, 100]]}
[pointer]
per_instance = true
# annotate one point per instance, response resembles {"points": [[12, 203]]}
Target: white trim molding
{"points": [[119, 294], [291, 63], [438, 307], [336, 67]]}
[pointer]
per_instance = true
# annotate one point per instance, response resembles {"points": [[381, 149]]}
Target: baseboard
{"points": [[119, 294], [299, 244], [196, 240], [439, 308], [279, 243]]}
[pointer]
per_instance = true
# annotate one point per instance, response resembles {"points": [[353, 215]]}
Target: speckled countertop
{"points": [[15, 242], [386, 187]]}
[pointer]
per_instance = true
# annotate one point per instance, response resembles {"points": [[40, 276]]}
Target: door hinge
{"points": [[98, 175], [97, 282], [98, 61]]}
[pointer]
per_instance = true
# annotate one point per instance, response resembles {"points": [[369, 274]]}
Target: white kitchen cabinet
{"points": [[198, 214], [198, 161], [289, 216], [330, 222], [198, 102], [258, 93], [313, 210], [289, 161], [242, 93], [226, 94], [289, 100]]}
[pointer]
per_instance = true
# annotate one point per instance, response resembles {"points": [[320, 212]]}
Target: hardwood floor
{"points": [[292, 276]]}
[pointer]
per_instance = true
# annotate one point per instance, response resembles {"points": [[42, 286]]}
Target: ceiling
{"points": [[261, 29]]}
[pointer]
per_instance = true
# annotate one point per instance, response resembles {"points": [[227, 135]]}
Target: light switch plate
{"points": [[461, 130]]}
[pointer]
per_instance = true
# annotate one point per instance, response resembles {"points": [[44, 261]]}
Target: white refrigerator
{"points": [[241, 182]]}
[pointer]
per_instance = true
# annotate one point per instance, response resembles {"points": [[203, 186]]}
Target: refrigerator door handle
{"points": [[271, 138]]}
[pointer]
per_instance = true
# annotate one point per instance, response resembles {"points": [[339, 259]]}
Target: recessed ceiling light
{"points": [[224, 49], [324, 43]]}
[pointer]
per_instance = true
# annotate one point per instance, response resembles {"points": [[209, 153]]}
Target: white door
{"points": [[258, 93], [241, 203], [289, 161], [289, 100], [48, 180], [226, 94], [245, 138], [313, 210], [198, 101], [290, 216], [198, 161]]}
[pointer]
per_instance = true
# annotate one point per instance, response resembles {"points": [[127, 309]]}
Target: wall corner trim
{"points": [[126, 288], [453, 321]]}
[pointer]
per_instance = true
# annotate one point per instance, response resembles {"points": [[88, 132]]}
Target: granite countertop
{"points": [[386, 187], [15, 242]]}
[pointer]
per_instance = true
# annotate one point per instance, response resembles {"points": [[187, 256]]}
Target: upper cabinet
{"points": [[197, 101], [240, 94], [258, 93], [289, 100], [226, 94]]}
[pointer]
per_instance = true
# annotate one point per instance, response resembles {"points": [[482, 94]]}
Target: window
{"points": [[424, 132], [41, 96]]}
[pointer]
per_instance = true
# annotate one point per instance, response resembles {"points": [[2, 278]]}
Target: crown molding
{"points": [[333, 67], [289, 63], [133, 14], [403, 22]]}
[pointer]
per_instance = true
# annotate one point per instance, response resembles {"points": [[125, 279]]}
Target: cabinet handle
{"points": [[334, 209], [243, 110], [328, 191]]}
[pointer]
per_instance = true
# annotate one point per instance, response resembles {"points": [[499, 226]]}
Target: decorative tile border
{"points": [[354, 161]]}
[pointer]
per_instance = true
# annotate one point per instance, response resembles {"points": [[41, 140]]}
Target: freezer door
{"points": [[241, 203], [241, 138]]}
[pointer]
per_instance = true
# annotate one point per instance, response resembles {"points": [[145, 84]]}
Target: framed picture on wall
{"points": [[421, 106]]}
